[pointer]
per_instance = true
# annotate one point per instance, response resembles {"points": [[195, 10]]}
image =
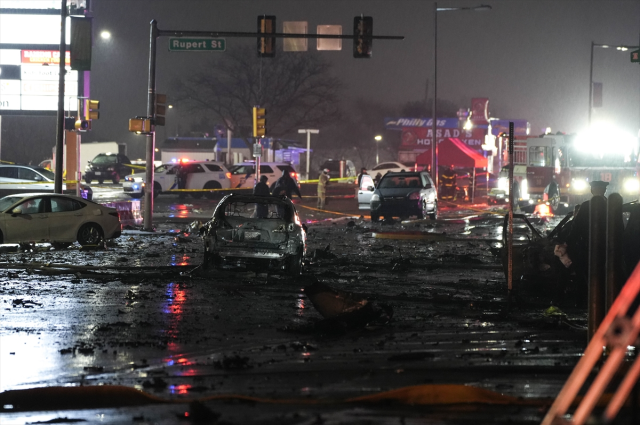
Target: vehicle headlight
{"points": [[414, 196], [375, 197], [632, 185], [579, 185]]}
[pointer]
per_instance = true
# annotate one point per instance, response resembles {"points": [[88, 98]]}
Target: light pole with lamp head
{"points": [[602, 46], [434, 111], [378, 138]]}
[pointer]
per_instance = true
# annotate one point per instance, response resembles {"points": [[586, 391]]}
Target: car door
{"points": [[365, 191], [28, 222], [267, 170], [39, 182], [196, 177], [166, 179], [65, 219]]}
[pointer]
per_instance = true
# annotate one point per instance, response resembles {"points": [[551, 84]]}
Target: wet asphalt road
{"points": [[132, 315]]}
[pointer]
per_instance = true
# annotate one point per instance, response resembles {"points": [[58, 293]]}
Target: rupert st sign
{"points": [[180, 44]]}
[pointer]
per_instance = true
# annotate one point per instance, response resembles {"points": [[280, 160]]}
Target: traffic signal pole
{"points": [[151, 136]]}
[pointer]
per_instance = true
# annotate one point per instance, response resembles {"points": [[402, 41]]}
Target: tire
{"points": [[211, 185], [157, 189], [90, 234], [87, 180], [60, 245], [100, 181], [115, 179], [434, 214], [294, 265], [375, 217]]}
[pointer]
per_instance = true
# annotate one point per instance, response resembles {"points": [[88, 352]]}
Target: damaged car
{"points": [[251, 230]]}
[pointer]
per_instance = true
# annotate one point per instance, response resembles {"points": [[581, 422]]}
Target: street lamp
{"points": [[309, 133], [434, 115], [378, 139], [602, 46]]}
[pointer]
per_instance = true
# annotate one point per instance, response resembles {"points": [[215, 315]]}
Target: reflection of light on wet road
{"points": [[300, 305], [173, 308], [180, 210], [180, 260], [179, 389]]}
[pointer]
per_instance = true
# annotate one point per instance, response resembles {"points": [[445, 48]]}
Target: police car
{"points": [[201, 175]]}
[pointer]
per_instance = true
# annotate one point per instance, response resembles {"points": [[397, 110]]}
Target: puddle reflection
{"points": [[174, 309]]}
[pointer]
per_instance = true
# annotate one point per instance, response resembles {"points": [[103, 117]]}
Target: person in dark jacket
{"points": [[285, 185], [262, 189]]}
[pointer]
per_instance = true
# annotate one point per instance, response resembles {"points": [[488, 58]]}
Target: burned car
{"points": [[250, 230]]}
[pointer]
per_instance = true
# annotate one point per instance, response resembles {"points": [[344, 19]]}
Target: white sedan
{"points": [[390, 167], [59, 219]]}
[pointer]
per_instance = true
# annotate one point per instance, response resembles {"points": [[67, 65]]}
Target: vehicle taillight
{"points": [[228, 175], [293, 175]]}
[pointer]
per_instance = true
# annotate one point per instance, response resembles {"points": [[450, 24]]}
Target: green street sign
{"points": [[180, 44], [635, 56]]}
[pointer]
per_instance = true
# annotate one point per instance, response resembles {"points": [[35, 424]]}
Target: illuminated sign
{"points": [[40, 57]]}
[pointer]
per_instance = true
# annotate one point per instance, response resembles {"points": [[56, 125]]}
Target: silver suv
{"points": [[15, 178]]}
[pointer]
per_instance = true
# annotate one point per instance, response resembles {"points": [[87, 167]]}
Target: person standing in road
{"points": [[323, 181], [285, 185], [181, 179], [262, 189], [448, 179], [363, 171]]}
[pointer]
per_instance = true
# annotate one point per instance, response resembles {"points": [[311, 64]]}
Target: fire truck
{"points": [[572, 161]]}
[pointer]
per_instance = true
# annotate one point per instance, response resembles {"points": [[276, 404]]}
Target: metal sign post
{"points": [[510, 231], [309, 133]]}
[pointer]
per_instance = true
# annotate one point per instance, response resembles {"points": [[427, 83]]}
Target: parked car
{"points": [[243, 174], [365, 192], [59, 219], [107, 166], [333, 165], [405, 194], [390, 167], [17, 178], [202, 175], [255, 230]]}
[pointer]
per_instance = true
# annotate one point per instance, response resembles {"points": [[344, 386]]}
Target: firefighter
{"points": [[323, 181], [448, 183]]}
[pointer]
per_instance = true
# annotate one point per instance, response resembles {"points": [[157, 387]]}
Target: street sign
{"points": [[257, 150], [180, 44], [635, 56]]}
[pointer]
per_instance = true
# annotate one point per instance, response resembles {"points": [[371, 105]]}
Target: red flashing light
{"points": [[228, 175], [543, 210]]}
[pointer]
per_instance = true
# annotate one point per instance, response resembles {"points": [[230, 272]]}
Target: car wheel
{"points": [[157, 189], [375, 217], [116, 179], [90, 234], [60, 245], [100, 181], [294, 265], [434, 214], [211, 185], [87, 180]]}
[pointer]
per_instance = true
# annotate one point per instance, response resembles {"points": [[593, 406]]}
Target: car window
{"points": [[10, 172], [383, 166], [65, 204], [28, 174], [7, 201], [163, 168], [213, 167], [194, 168], [31, 206], [366, 181], [266, 209], [105, 159], [265, 169], [243, 170], [400, 182], [289, 168], [47, 173]]}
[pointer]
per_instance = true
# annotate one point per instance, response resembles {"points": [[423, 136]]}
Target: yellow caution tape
{"points": [[340, 179]]}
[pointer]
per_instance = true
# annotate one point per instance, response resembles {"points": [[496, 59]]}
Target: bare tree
{"points": [[296, 89]]}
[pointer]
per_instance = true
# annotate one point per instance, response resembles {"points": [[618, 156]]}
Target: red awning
{"points": [[456, 152]]}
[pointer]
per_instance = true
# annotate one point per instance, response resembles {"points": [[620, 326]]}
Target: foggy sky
{"points": [[530, 58]]}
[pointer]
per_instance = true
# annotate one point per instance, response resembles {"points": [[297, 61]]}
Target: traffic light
{"points": [[91, 109], [140, 125], [362, 41], [259, 121], [69, 123], [83, 125], [160, 109], [266, 45], [80, 49]]}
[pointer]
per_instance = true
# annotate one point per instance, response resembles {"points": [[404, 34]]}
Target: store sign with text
{"points": [[420, 137]]}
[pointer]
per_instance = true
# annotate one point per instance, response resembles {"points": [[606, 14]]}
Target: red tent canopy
{"points": [[456, 152]]}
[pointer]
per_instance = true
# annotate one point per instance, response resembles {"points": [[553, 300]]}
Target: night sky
{"points": [[530, 58]]}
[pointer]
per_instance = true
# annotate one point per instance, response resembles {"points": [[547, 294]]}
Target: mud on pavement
{"points": [[134, 315]]}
